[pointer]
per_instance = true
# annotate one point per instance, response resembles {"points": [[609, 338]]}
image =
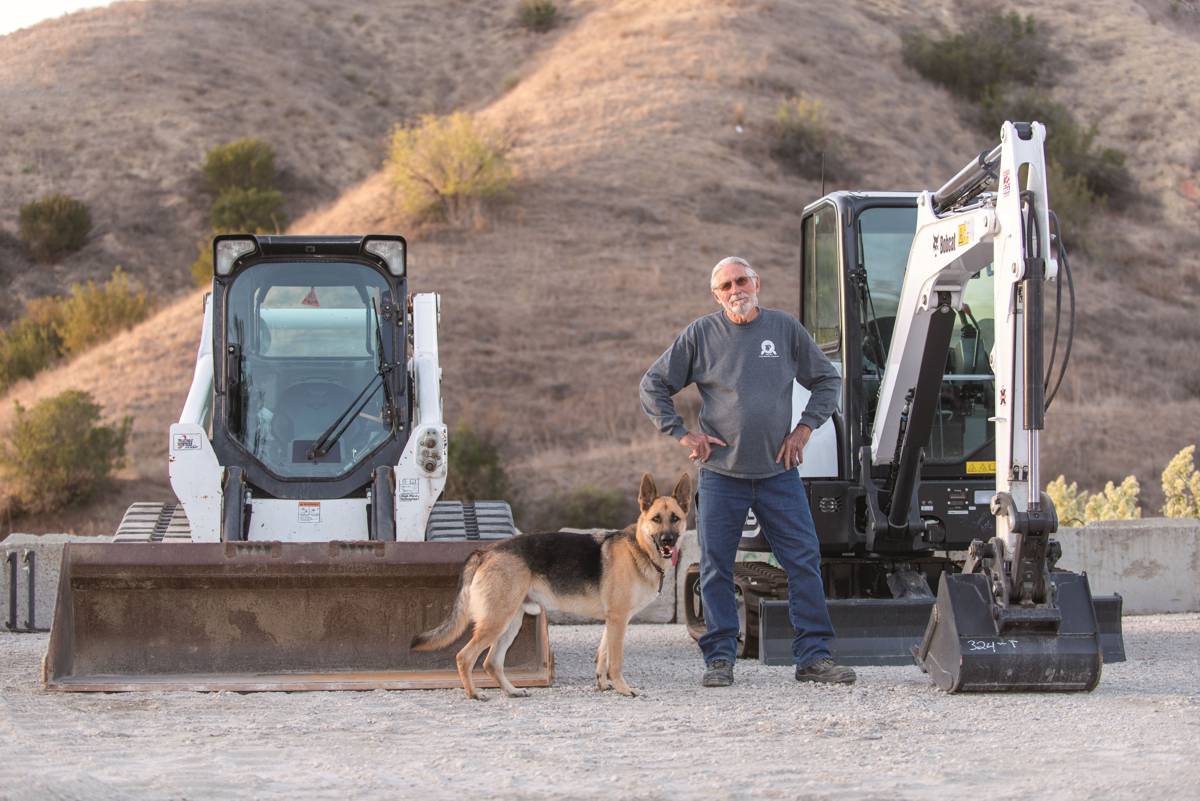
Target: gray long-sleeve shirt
{"points": [[744, 374]]}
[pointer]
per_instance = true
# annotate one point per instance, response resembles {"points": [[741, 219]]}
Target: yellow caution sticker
{"points": [[964, 234], [980, 467]]}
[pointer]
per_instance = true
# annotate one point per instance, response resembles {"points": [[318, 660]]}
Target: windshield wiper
{"points": [[329, 438]]}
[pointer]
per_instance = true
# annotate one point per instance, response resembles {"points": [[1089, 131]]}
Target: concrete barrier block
{"points": [[1153, 563], [37, 559]]}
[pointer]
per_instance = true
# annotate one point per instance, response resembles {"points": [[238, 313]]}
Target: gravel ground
{"points": [[891, 736]]}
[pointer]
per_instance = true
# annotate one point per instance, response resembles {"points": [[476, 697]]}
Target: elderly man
{"points": [[743, 360]]}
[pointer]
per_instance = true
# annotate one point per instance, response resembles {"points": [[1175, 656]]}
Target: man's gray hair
{"points": [[730, 260]]}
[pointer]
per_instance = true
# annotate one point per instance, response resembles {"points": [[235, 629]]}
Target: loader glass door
{"points": [[961, 441], [303, 335]]}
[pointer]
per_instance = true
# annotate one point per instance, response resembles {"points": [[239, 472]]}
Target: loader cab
{"points": [[854, 251], [309, 344]]}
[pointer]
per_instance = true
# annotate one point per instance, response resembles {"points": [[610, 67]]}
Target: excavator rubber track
{"points": [[265, 616]]}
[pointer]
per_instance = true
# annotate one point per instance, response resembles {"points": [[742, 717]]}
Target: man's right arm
{"points": [[669, 374]]}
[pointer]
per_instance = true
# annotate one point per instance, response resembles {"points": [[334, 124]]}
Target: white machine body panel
{"points": [[821, 452], [196, 479], [421, 471], [307, 521]]}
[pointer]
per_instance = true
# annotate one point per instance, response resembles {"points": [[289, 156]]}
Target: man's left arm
{"points": [[817, 374]]}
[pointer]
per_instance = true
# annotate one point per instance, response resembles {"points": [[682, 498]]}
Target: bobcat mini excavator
{"points": [[930, 305], [308, 545]]}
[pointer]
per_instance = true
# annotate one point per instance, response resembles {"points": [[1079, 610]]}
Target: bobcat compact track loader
{"points": [[930, 305], [308, 546]]}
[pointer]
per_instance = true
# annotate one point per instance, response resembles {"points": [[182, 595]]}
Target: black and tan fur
{"points": [[610, 576]]}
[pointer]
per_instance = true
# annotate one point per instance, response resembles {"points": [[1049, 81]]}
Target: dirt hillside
{"points": [[642, 151], [117, 106]]}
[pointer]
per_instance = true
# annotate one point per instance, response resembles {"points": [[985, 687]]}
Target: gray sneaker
{"points": [[719, 674], [824, 671]]}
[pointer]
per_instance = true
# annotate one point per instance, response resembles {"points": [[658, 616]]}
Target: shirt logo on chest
{"points": [[768, 350]]}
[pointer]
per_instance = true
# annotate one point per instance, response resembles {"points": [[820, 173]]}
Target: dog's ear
{"points": [[683, 492], [648, 492]]}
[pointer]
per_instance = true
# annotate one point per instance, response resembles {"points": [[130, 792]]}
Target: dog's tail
{"points": [[452, 627]]}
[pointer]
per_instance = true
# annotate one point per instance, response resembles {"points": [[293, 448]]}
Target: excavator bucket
{"points": [[265, 616], [973, 645]]}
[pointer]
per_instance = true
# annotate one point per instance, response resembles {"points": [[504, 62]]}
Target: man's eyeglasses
{"points": [[740, 281]]}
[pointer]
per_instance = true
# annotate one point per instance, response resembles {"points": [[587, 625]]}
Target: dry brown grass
{"points": [[632, 181]]}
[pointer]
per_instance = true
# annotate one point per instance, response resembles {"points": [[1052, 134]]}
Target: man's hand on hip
{"points": [[701, 444], [791, 452]]}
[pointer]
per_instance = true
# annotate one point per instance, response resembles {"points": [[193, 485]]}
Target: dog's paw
{"points": [[519, 694], [602, 684], [628, 692], [478, 697]]}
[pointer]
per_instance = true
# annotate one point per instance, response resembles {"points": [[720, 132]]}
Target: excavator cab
{"points": [[309, 543]]}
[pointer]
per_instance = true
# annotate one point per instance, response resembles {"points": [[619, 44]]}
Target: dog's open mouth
{"points": [[666, 551]]}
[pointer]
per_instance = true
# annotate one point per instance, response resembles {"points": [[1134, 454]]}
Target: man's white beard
{"points": [[741, 305]]}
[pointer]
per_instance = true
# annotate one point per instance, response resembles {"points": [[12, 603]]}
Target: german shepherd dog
{"points": [[609, 576]]}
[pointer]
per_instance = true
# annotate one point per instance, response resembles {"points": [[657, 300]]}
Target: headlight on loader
{"points": [[226, 251]]}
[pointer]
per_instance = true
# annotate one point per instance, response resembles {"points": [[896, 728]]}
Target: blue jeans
{"points": [[781, 506]]}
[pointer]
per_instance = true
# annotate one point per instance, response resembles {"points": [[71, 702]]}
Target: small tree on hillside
{"points": [[54, 226], [801, 141], [95, 313], [30, 344], [1069, 501], [57, 452], [252, 210], [1181, 485], [538, 16], [475, 470], [1115, 502], [242, 164], [444, 167]]}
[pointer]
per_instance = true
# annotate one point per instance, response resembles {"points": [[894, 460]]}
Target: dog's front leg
{"points": [[615, 635], [602, 682]]}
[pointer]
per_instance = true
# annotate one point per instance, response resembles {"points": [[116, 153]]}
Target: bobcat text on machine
{"points": [[930, 305], [308, 546]]}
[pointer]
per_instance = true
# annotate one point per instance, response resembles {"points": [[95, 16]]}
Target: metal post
{"points": [[29, 577], [12, 590]]}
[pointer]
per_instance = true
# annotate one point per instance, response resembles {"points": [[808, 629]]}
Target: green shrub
{"points": [[1075, 507], [32, 343], [202, 268], [93, 313], [242, 164], [1068, 144], [474, 470], [249, 210], [1074, 204], [993, 51], [1115, 502], [800, 138], [1181, 485], [591, 507], [538, 15], [57, 453], [444, 167], [54, 226], [1069, 501]]}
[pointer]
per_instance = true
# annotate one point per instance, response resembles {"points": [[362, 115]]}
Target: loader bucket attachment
{"points": [[264, 616], [973, 645]]}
